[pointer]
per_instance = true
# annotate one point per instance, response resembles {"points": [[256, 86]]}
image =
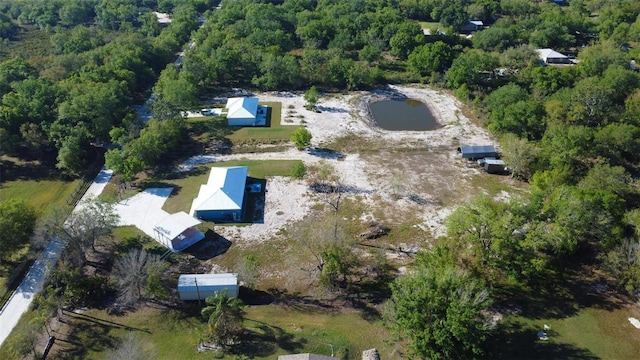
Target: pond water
{"points": [[406, 114]]}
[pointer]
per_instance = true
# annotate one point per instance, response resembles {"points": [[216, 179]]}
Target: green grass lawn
{"points": [[40, 194], [272, 330], [591, 333], [208, 128], [186, 188], [275, 132], [429, 24]]}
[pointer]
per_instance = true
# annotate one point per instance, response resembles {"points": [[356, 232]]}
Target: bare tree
{"points": [[131, 347], [92, 220], [132, 272], [330, 248], [247, 270]]}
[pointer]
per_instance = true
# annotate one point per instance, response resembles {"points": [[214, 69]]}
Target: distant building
{"points": [[472, 25], [474, 152], [306, 356], [492, 166], [245, 111], [202, 286], [222, 197], [550, 56]]}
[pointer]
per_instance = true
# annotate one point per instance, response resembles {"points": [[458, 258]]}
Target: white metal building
{"points": [[202, 286]]}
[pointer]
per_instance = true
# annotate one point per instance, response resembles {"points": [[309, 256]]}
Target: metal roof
{"points": [[223, 191], [477, 149], [225, 279]]}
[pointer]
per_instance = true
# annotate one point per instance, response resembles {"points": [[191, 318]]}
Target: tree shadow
{"points": [[326, 153], [255, 197], [261, 339], [29, 169], [299, 302], [211, 246], [561, 296], [520, 341], [254, 297], [332, 109], [328, 188], [92, 319], [86, 335]]}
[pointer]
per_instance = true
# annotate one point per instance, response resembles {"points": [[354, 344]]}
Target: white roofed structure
{"points": [[242, 111], [202, 286], [222, 197], [550, 56], [177, 232]]}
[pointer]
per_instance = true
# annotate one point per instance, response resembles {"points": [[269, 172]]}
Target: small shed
{"points": [[177, 231], [306, 356], [474, 152], [202, 286], [493, 166]]}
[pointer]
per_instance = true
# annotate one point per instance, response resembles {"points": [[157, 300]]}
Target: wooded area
{"points": [[72, 70]]}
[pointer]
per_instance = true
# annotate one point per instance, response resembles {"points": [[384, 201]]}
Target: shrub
{"points": [[298, 171]]}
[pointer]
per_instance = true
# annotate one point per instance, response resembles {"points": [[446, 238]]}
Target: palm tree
{"points": [[224, 315]]}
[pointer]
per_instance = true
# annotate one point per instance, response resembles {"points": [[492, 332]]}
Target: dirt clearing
{"points": [[396, 175]]}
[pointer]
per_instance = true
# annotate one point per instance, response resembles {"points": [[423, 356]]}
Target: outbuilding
{"points": [[177, 231], [474, 152], [306, 356], [494, 166], [550, 56], [202, 286]]}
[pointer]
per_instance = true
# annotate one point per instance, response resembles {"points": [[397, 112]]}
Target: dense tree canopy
{"points": [[439, 307]]}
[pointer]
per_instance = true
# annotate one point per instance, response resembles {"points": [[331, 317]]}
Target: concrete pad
{"points": [[144, 210]]}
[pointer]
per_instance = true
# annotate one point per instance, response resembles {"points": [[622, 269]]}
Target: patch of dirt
{"points": [[403, 172]]}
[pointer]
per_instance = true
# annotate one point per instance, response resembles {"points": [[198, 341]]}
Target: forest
{"points": [[71, 72]]}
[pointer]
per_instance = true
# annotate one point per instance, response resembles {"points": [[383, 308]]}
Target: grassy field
{"points": [[272, 330], [429, 24], [275, 132], [591, 333], [215, 128], [40, 194]]}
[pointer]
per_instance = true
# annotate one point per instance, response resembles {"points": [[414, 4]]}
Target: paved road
{"points": [[20, 300]]}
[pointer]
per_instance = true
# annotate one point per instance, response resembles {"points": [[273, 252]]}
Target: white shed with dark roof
{"points": [[202, 286]]}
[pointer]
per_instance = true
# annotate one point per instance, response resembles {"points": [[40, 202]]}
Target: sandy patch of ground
{"points": [[416, 182]]}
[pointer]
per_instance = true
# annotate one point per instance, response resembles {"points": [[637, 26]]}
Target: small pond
{"points": [[406, 114]]}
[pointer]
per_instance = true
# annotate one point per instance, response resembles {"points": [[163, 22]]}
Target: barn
{"points": [[222, 197], [474, 152], [202, 286]]}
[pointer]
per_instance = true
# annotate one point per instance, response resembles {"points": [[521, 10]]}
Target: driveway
{"points": [[32, 283], [144, 210]]}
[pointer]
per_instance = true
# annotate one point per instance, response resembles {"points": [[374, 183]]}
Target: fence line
{"points": [[87, 180]]}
